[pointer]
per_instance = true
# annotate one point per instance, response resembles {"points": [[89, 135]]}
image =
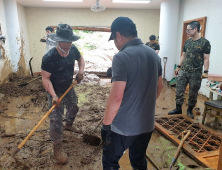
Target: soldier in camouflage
{"points": [[57, 75], [153, 44], [196, 53]]}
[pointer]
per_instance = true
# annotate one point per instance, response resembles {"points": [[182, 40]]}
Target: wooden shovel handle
{"points": [[40, 122], [180, 146]]}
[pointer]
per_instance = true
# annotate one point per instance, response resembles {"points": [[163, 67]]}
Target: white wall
{"points": [[12, 23], [212, 9], [147, 22], [168, 23], [25, 52], [16, 47], [5, 66]]}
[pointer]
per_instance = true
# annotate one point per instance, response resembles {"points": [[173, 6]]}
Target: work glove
{"points": [[42, 40], [109, 72], [204, 75], [177, 70], [79, 77], [55, 100], [105, 131]]}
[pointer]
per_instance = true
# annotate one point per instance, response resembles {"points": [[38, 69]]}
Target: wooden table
{"points": [[212, 92]]}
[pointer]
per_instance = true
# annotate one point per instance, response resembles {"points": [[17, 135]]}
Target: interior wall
{"points": [[191, 9], [5, 62], [12, 23], [24, 50], [147, 22]]}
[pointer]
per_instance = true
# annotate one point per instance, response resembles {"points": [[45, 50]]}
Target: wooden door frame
{"points": [[185, 23]]}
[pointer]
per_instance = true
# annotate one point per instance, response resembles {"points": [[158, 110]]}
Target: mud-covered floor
{"points": [[21, 108]]}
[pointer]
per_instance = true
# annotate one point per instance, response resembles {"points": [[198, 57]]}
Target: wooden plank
{"points": [[220, 159], [101, 29]]}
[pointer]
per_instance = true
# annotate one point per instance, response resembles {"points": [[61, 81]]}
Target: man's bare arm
{"points": [[206, 61], [47, 82], [114, 101], [81, 64], [182, 58], [159, 86]]}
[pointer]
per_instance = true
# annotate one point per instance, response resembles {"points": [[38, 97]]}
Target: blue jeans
{"points": [[113, 151]]}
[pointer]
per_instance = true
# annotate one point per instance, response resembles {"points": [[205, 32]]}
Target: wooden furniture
{"points": [[215, 105], [219, 167], [212, 93], [202, 145]]}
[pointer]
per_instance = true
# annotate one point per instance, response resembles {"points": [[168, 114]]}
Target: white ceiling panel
{"points": [[154, 4]]}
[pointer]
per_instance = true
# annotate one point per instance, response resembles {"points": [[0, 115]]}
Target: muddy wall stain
{"points": [[22, 71]]}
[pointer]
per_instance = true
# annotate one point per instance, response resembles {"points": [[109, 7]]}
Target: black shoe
{"points": [[176, 111], [190, 113]]}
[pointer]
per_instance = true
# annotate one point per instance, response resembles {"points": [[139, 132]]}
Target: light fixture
{"points": [[131, 1], [65, 0], [97, 7]]}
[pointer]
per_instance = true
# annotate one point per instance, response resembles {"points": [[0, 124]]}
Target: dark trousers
{"points": [[113, 151]]}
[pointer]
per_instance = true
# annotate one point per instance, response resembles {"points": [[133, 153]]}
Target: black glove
{"points": [[109, 72], [105, 131], [79, 77]]}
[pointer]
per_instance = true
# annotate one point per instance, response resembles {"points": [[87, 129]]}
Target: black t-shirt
{"points": [[154, 46], [61, 68]]}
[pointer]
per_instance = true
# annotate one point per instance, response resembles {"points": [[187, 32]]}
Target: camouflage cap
{"points": [[64, 33]]}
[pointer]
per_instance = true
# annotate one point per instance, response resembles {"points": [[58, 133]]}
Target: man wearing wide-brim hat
{"points": [[57, 75]]}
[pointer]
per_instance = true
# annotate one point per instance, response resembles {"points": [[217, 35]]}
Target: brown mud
{"points": [[22, 107]]}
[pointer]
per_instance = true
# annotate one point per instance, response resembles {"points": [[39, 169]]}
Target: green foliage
{"points": [[90, 46], [88, 32], [181, 166], [76, 32]]}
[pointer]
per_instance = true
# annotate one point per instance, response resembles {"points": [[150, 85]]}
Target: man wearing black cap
{"points": [[57, 76], [130, 110]]}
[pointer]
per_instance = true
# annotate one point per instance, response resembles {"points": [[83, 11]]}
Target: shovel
{"points": [[164, 60], [90, 138], [180, 146], [175, 156], [40, 122], [24, 84]]}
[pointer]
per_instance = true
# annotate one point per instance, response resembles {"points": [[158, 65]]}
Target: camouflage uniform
{"points": [[56, 116], [154, 46], [191, 70], [61, 69]]}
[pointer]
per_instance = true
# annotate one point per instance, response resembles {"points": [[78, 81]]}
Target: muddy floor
{"points": [[22, 107]]}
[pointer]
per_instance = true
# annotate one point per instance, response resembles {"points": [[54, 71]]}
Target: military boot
{"points": [[190, 112], [60, 156], [176, 111], [69, 127]]}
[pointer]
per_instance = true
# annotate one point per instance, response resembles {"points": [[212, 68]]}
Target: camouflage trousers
{"points": [[194, 80], [56, 116]]}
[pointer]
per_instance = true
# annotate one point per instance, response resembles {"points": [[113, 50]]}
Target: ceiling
{"points": [[154, 4]]}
